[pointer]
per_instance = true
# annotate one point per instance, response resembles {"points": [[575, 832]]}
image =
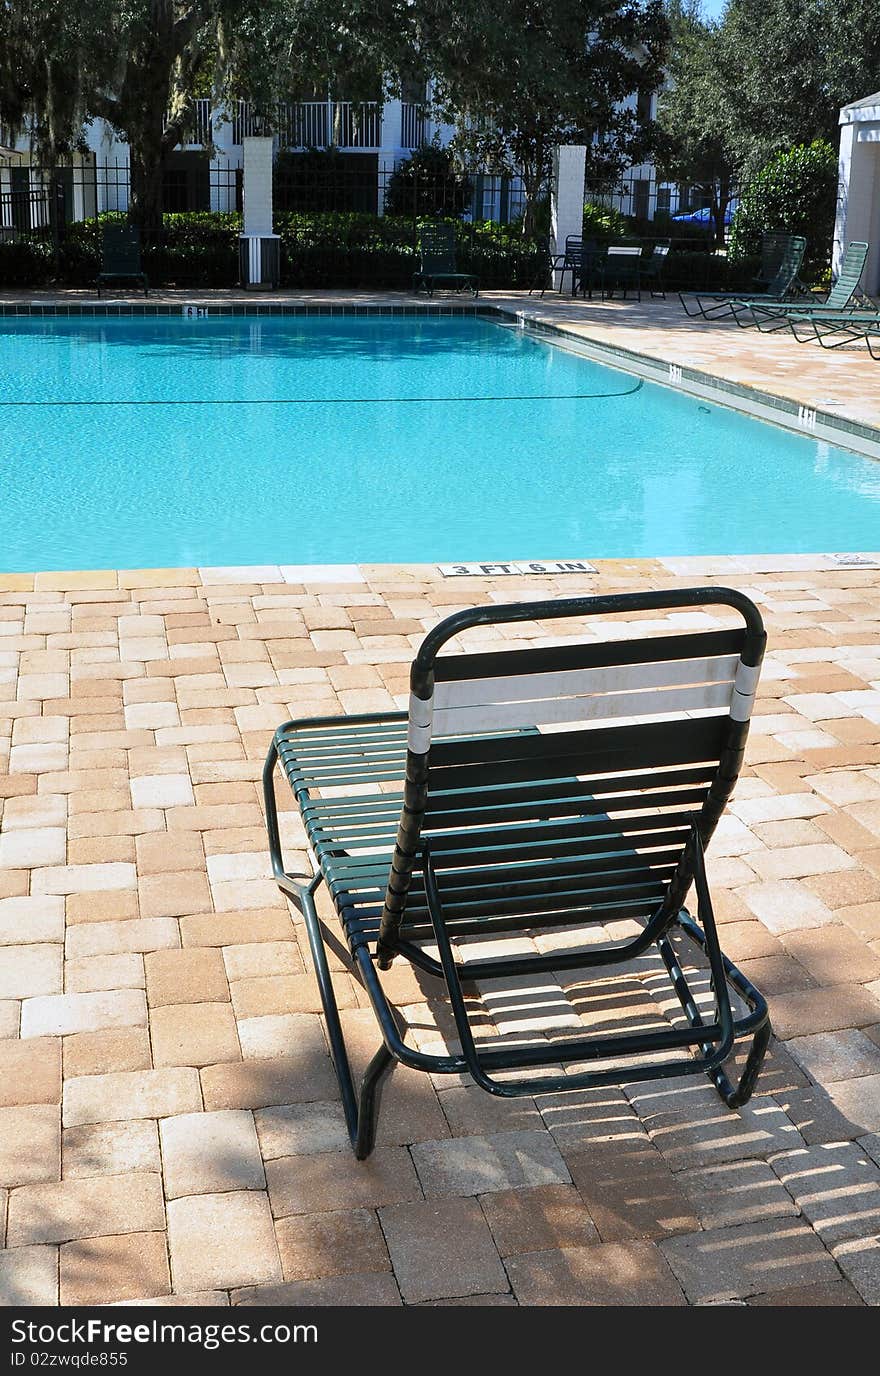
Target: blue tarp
{"points": [[704, 216]]}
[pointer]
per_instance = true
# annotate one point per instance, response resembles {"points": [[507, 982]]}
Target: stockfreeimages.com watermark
{"points": [[98, 1332]]}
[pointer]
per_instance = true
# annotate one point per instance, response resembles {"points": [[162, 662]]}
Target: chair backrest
{"points": [[590, 756], [121, 249], [851, 269], [660, 250], [437, 248], [789, 267], [624, 251], [774, 242]]}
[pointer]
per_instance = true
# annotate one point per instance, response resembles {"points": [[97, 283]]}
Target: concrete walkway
{"points": [[170, 1126]]}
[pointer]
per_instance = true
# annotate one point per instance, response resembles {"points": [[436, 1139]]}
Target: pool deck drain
{"points": [[172, 1128]]}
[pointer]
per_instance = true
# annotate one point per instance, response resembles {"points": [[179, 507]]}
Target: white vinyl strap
{"points": [[745, 686], [421, 719]]}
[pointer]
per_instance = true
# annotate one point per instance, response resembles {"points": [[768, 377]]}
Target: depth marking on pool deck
{"points": [[538, 567]]}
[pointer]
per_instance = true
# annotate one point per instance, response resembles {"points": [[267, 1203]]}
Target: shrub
{"points": [[323, 180], [603, 223], [795, 192], [429, 183], [319, 249], [25, 263]]}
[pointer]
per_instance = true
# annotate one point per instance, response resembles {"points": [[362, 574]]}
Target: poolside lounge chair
{"points": [[121, 257], [438, 267], [834, 330], [562, 786], [841, 297], [719, 305]]}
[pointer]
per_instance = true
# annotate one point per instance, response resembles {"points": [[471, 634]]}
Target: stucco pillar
{"points": [[567, 197], [259, 257]]}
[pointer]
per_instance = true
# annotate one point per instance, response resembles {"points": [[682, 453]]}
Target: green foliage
{"points": [[327, 249], [603, 223], [25, 263], [696, 113], [796, 191], [430, 182], [519, 77], [322, 180], [769, 75]]}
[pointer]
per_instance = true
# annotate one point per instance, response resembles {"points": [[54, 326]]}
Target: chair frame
{"points": [[785, 282], [435, 240], [845, 295], [374, 946], [129, 236]]}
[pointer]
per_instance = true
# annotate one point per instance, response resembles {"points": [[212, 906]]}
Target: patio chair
{"points": [[438, 266], [564, 786], [718, 305], [121, 257], [842, 296], [623, 268], [651, 269]]}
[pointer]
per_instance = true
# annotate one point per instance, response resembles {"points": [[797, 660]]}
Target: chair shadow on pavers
{"points": [[565, 783]]}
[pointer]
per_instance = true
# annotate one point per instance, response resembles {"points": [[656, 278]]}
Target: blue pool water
{"points": [[285, 440]]}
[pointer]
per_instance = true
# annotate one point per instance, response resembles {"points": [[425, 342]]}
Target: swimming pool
{"points": [[159, 442]]}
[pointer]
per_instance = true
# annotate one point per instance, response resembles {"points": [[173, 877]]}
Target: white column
{"points": [[257, 189], [389, 149], [567, 196], [257, 240]]}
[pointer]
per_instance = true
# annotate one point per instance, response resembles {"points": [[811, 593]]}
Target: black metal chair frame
{"points": [[123, 241], [438, 266], [374, 942]]}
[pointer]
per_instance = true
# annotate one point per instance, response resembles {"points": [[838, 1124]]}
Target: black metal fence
{"points": [[649, 205], [345, 219]]}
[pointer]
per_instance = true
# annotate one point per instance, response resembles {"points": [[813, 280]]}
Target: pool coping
{"points": [[812, 422]]}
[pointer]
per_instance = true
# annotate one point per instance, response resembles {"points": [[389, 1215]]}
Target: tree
{"points": [[519, 77], [791, 64], [139, 64], [696, 124], [794, 192], [429, 183]]}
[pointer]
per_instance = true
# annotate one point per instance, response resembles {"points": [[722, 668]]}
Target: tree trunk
{"points": [[532, 178], [146, 161]]}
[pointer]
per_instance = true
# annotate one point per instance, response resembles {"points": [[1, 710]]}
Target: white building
{"points": [[858, 186], [205, 174]]}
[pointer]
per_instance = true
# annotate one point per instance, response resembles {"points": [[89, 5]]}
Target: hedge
{"points": [[330, 249], [797, 192]]}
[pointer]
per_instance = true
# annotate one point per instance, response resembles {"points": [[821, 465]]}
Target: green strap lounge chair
{"points": [[563, 788], [836, 330], [842, 296], [438, 266], [719, 305], [121, 257]]}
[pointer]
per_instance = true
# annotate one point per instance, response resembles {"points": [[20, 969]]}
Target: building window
{"points": [[664, 199], [644, 107]]}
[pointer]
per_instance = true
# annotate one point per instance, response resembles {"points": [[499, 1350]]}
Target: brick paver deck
{"points": [[169, 1123], [170, 1129]]}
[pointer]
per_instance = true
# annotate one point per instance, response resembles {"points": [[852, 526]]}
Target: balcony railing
{"points": [[316, 123], [199, 129], [412, 125]]}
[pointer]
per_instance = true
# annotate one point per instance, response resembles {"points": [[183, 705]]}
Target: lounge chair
{"points": [[834, 330], [465, 818], [121, 257], [718, 305], [438, 266], [841, 297]]}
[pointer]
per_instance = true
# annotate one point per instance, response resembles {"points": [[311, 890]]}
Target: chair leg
{"points": [[360, 1108], [732, 1095]]}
